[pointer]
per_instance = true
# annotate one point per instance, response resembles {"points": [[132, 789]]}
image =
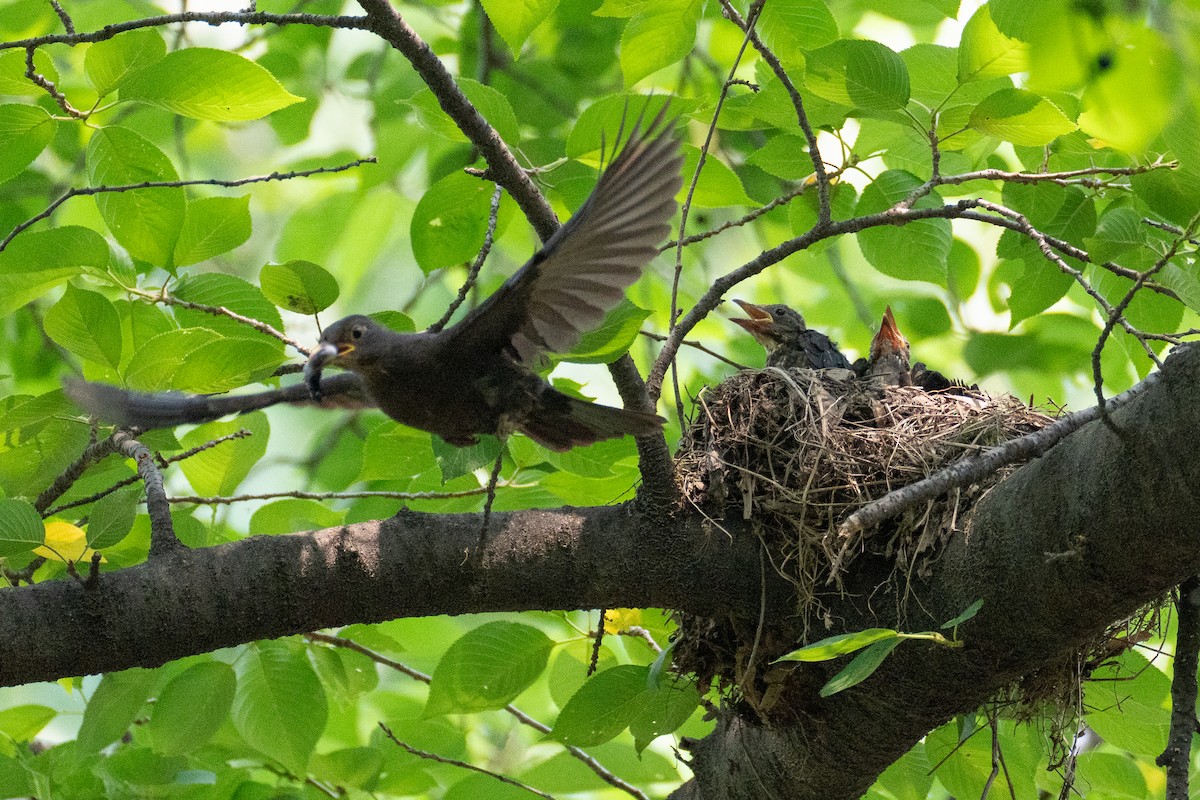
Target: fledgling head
{"points": [[771, 325], [889, 343]]}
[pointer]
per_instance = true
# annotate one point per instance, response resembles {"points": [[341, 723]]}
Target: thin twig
{"points": [[48, 85], [162, 530], [87, 191], [477, 264]]}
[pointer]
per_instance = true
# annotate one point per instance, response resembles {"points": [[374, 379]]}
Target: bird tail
{"points": [[564, 422]]}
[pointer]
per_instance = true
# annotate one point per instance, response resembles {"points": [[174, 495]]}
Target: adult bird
{"points": [[788, 339], [889, 362], [477, 376]]}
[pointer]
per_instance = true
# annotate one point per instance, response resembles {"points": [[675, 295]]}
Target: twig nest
{"points": [[797, 451]]}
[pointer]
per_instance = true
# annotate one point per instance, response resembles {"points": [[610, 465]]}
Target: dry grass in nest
{"points": [[798, 451]]}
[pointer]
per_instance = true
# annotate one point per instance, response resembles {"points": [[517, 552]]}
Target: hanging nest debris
{"points": [[797, 451]]}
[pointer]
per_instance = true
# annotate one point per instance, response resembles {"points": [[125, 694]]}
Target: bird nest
{"points": [[797, 451]]}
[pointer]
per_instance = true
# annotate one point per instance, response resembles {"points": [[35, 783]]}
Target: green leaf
{"points": [[146, 222], [294, 514], [22, 723], [213, 225], [1184, 283], [602, 120], [718, 186], [396, 320], [1129, 704], [191, 708], [784, 156], [490, 102], [1041, 285], [450, 221], [157, 360], [111, 517], [860, 74], [1120, 230], [204, 83], [24, 133], [12, 72], [112, 62], [985, 52], [279, 707], [1128, 105], [665, 708], [514, 20], [1021, 117], [860, 668], [354, 767], [21, 528], [454, 461], [229, 292], [487, 668], [219, 470], [831, 647], [658, 35], [968, 613], [793, 27], [299, 286], [27, 412], [614, 336], [87, 324], [916, 251], [113, 707], [605, 706], [595, 460]]}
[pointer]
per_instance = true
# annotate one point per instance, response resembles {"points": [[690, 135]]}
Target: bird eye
{"points": [[356, 333], [779, 313]]}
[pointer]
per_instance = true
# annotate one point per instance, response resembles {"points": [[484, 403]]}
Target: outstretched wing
{"points": [[150, 410], [583, 271]]}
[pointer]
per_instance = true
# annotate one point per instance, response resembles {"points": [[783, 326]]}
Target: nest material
{"points": [[798, 451]]}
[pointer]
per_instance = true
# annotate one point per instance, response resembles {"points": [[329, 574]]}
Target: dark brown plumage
{"points": [[477, 376], [788, 339], [888, 362]]}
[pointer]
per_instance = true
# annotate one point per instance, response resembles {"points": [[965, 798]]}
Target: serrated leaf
{"points": [[489, 101], [35, 262], [984, 52], [831, 647], [212, 226], [665, 707], [455, 461], [155, 362], [915, 251], [718, 186], [658, 35], [12, 72], [219, 470], [21, 528], [87, 324], [514, 20], [24, 133], [793, 27], [233, 293], [299, 286], [112, 62], [860, 74], [1021, 117], [279, 707], [612, 338], [1120, 230], [860, 668], [113, 707], [603, 707], [784, 156], [487, 668], [146, 222], [203, 83], [595, 460], [191, 708], [450, 221], [111, 517]]}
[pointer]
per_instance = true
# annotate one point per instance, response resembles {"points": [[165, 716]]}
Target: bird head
{"points": [[347, 343], [889, 342], [771, 325]]}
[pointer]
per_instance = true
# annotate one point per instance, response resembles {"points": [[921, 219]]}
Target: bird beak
{"points": [[324, 353], [759, 321], [889, 338]]}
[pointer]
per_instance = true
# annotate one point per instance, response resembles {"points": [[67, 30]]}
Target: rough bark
{"points": [[1123, 505]]}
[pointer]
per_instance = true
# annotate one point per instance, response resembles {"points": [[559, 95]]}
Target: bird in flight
{"points": [[479, 376]]}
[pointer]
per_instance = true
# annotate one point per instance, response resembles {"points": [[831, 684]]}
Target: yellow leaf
{"points": [[618, 619], [65, 542]]}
